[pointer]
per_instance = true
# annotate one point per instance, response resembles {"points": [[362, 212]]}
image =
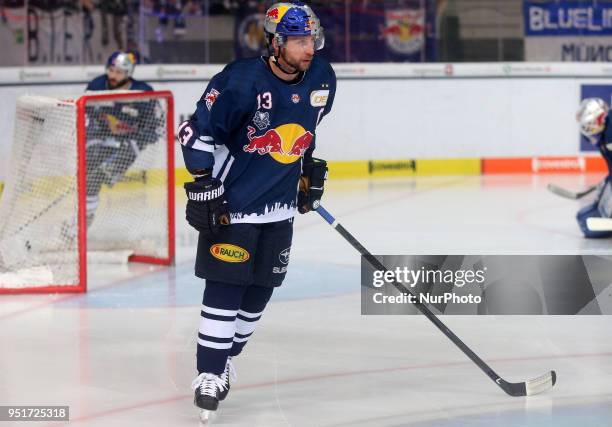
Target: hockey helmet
{"points": [[123, 61], [292, 19], [591, 116]]}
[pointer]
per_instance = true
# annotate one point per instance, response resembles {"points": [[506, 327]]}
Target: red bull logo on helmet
{"points": [[285, 144], [276, 14], [273, 13]]}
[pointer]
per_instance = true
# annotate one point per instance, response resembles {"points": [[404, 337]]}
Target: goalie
{"points": [[116, 133], [594, 122]]}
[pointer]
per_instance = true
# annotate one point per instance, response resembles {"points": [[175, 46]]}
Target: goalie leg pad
{"points": [[106, 164], [590, 211], [604, 201], [115, 165]]}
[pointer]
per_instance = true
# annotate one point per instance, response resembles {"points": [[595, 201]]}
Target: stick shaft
{"points": [[422, 307]]}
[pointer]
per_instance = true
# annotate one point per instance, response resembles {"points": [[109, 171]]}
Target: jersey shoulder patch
{"points": [[210, 97]]}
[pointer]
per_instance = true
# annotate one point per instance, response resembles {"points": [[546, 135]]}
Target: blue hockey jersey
{"points": [[258, 129], [101, 83]]}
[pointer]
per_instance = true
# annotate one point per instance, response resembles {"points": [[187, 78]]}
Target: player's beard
{"points": [[114, 84], [298, 66]]}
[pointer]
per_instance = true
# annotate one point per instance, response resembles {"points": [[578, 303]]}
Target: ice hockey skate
{"points": [[228, 376], [207, 388]]}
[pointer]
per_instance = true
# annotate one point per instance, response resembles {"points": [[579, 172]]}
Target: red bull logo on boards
{"points": [[286, 143], [404, 30]]}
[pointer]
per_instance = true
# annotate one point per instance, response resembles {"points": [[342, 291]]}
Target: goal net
{"points": [[89, 179]]}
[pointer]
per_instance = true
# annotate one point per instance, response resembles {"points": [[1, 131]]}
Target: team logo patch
{"points": [[261, 120], [295, 98], [318, 98], [284, 256], [229, 253], [210, 98]]}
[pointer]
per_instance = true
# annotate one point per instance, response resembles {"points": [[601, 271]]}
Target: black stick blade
{"points": [[529, 388], [568, 194]]}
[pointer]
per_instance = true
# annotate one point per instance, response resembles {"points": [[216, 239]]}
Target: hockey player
{"points": [[248, 145], [115, 134], [594, 123], [119, 70]]}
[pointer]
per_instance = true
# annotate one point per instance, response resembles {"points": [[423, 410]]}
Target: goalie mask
{"points": [[292, 19], [591, 116], [122, 61]]}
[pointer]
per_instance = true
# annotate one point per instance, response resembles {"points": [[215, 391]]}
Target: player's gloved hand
{"points": [[206, 206], [314, 174]]}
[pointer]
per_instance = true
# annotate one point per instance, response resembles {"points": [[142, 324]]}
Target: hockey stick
{"points": [[599, 224], [43, 211], [527, 388], [568, 194]]}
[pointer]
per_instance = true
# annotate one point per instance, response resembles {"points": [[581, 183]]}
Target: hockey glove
{"points": [[206, 206], [314, 174]]}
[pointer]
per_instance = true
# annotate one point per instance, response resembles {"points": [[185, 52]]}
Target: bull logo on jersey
{"points": [[286, 143], [117, 126]]}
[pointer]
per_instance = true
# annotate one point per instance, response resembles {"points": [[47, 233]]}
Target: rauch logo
{"points": [[229, 253]]}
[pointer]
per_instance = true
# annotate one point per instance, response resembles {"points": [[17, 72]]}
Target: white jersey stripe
{"points": [[202, 146], [227, 168], [219, 311], [216, 345], [249, 315]]}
